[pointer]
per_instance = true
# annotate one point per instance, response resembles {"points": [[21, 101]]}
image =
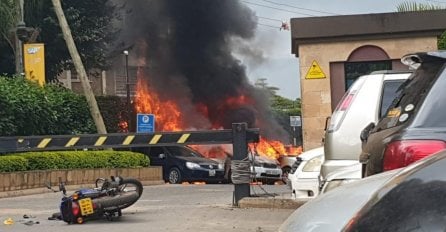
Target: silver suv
{"points": [[367, 100]]}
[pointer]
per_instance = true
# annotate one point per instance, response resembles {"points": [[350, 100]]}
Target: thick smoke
{"points": [[189, 59]]}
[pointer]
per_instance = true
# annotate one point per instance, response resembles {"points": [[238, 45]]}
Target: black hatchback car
{"points": [[415, 124], [181, 163]]}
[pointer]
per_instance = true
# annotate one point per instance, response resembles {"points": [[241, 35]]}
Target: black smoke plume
{"points": [[189, 59]]}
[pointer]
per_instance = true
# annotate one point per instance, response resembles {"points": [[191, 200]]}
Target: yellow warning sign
{"points": [[315, 71]]}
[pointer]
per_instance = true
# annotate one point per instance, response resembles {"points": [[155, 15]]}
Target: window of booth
{"points": [[353, 70]]}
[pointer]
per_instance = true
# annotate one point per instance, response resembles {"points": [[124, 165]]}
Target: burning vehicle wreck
{"points": [[264, 169], [197, 83]]}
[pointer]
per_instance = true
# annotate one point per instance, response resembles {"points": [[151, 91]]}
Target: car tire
{"points": [[174, 176]]}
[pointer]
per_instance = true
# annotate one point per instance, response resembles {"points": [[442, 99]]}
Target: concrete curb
{"points": [[271, 203], [25, 192]]}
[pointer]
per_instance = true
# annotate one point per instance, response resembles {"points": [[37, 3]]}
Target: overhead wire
{"points": [[266, 25], [275, 8], [261, 17], [300, 8]]}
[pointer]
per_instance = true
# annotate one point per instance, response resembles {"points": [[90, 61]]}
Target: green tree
{"points": [[7, 43], [282, 105], [414, 6], [7, 21], [90, 22]]}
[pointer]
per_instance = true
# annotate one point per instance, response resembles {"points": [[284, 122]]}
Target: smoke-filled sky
{"points": [[187, 48]]}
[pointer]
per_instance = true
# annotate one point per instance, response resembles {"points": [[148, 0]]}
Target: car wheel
{"points": [[285, 172], [174, 176]]}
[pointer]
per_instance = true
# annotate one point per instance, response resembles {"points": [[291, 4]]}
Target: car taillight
{"points": [[340, 111], [75, 208], [347, 101], [399, 154]]}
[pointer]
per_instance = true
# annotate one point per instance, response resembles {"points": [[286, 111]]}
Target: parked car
{"points": [[181, 163], [303, 178], [265, 169], [367, 100], [415, 125], [340, 177], [408, 199]]}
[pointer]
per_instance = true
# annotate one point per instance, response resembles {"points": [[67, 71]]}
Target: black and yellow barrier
{"points": [[121, 140]]}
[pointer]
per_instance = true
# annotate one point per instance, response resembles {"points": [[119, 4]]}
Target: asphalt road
{"points": [[161, 208]]}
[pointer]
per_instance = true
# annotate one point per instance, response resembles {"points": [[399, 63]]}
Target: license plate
{"points": [[269, 172], [86, 206], [211, 172]]}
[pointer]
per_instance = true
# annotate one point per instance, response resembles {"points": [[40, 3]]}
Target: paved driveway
{"points": [[161, 208]]}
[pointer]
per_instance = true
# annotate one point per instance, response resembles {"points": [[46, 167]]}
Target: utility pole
{"points": [[89, 95], [18, 43], [127, 88]]}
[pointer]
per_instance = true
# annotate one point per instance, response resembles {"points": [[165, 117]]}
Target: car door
{"points": [[158, 156]]}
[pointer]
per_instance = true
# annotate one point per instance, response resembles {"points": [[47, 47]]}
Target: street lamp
{"points": [[127, 88]]}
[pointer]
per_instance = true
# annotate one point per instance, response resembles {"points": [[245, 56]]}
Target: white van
{"points": [[366, 101]]}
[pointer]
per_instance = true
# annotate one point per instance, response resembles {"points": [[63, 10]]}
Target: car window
{"points": [[155, 151], [182, 151], [390, 91], [414, 90], [433, 112]]}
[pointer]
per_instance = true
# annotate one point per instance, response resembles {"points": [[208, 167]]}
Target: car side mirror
{"points": [[366, 132], [161, 156]]}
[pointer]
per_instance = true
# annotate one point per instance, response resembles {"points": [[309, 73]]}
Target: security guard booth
{"points": [[335, 50]]}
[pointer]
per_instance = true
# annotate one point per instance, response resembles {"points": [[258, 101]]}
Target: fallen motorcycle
{"points": [[107, 200]]}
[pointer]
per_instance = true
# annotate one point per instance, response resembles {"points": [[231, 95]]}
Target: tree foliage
{"points": [[90, 23], [29, 109], [414, 6]]}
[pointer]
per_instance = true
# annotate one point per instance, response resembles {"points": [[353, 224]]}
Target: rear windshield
{"points": [[390, 91], [412, 93]]}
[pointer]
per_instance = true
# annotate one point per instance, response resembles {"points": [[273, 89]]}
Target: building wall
{"points": [[316, 93]]}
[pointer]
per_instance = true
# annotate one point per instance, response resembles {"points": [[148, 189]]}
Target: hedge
{"points": [[71, 160]]}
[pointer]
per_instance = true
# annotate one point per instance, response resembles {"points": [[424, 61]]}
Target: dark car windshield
{"points": [[390, 91], [183, 151], [411, 96]]}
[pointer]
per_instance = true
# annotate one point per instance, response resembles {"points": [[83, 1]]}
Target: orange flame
{"points": [[213, 151], [272, 148], [235, 102], [167, 114]]}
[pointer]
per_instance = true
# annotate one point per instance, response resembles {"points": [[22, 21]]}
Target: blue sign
{"points": [[145, 123]]}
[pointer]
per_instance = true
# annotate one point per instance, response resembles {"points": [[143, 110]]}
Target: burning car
{"points": [[264, 169]]}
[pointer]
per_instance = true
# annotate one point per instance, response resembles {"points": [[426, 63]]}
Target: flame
{"points": [[213, 151], [235, 102], [167, 113], [294, 150], [273, 148]]}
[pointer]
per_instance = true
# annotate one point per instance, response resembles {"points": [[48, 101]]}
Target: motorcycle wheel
{"points": [[117, 202], [131, 185], [129, 191]]}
